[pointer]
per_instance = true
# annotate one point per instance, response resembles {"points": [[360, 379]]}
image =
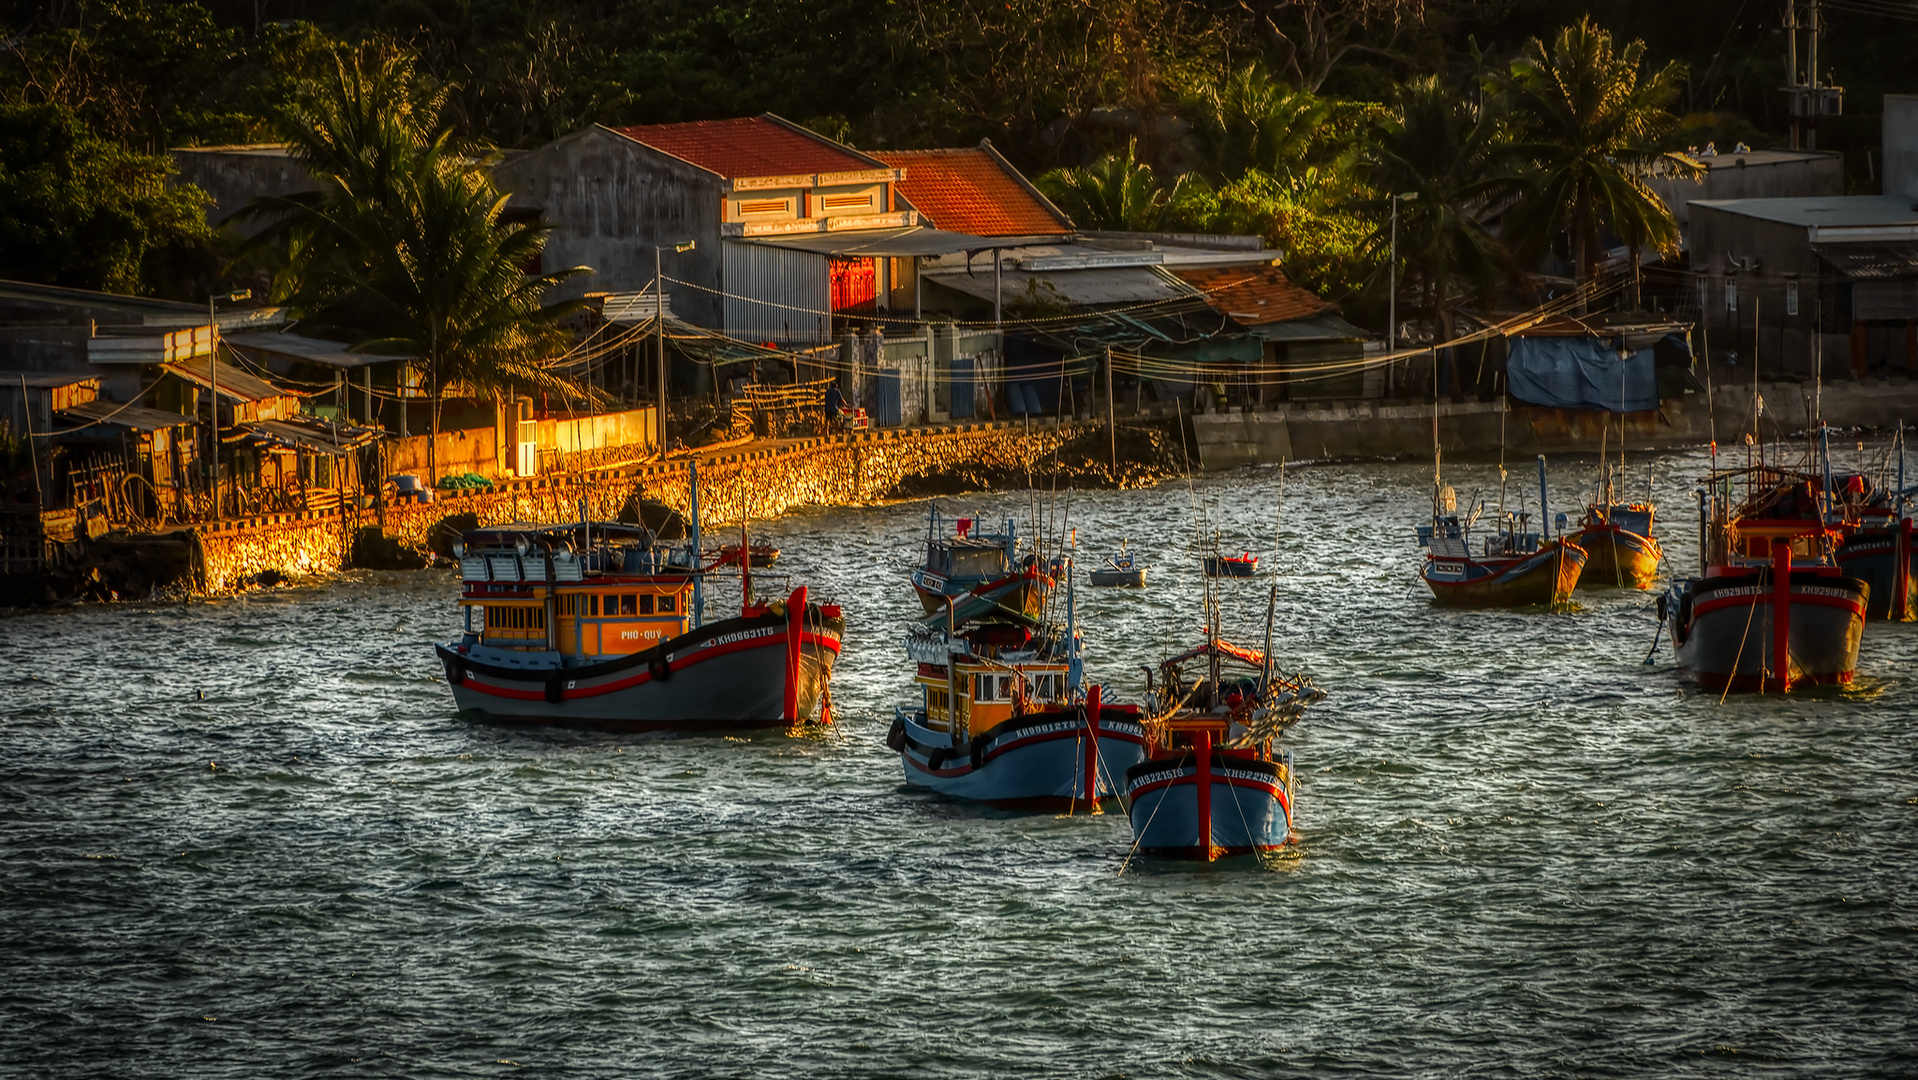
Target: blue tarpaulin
{"points": [[1581, 373]]}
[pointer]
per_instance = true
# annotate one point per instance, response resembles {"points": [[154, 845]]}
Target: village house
{"points": [[1785, 283]]}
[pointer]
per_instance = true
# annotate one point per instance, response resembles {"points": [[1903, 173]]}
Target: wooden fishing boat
{"points": [[1212, 784], [1004, 717], [1883, 554], [1618, 544], [759, 555], [1244, 565], [970, 560], [1879, 549], [1773, 609], [599, 625], [1513, 566], [1120, 571]]}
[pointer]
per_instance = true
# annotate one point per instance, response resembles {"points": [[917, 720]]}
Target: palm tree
{"points": [[403, 250], [1589, 116], [1115, 192], [1451, 153], [1252, 121]]}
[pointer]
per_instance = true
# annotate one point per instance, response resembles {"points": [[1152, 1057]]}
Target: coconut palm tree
{"points": [[1450, 152], [1252, 121], [1115, 192], [1588, 117], [403, 250]]}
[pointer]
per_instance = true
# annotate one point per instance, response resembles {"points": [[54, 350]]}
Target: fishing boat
{"points": [[1243, 565], [1773, 609], [1004, 717], [1618, 544], [1615, 535], [600, 625], [968, 559], [1880, 550], [1212, 783], [758, 557], [1512, 566], [1120, 571], [1882, 553]]}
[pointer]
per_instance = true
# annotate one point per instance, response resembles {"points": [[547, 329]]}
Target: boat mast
{"points": [[1544, 511], [699, 576], [1075, 659], [1271, 605]]}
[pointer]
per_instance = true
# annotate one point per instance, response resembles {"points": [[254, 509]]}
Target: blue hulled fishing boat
{"points": [[970, 560], [1213, 784], [1004, 716]]}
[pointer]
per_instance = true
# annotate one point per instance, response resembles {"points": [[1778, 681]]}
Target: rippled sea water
{"points": [[251, 838]]}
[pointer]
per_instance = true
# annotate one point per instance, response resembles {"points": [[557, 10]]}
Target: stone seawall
{"points": [[749, 482], [233, 555]]}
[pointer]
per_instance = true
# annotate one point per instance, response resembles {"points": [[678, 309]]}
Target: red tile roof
{"points": [[1253, 295], [971, 191], [747, 146]]}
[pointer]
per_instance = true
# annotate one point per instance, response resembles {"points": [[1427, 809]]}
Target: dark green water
{"points": [[1524, 853]]}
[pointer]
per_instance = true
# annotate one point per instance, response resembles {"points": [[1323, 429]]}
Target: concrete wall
{"points": [[610, 200], [1366, 430], [236, 175], [1901, 145], [1767, 174], [1762, 324]]}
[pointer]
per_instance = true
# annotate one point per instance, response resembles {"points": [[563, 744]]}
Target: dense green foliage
{"points": [[1292, 118], [402, 249], [84, 212]]}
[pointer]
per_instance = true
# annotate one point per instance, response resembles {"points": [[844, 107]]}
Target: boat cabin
{"points": [[989, 694], [529, 590]]}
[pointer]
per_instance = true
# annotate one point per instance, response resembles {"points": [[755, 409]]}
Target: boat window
{"points": [[666, 604], [595, 605], [992, 687], [629, 604], [936, 700], [646, 604]]}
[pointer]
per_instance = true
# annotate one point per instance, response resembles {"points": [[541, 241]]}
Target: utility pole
{"points": [[659, 333], [1809, 97], [1112, 423], [213, 379]]}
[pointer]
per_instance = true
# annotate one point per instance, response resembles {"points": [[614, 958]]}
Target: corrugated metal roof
{"points": [[1322, 328], [748, 146], [233, 382], [1829, 211], [1870, 262], [1255, 295], [973, 191], [137, 417], [1114, 285], [313, 350]]}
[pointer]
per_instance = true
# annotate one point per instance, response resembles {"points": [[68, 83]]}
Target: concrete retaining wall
{"points": [[1387, 430]]}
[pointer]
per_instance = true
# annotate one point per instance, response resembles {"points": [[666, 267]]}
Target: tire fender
{"points": [[896, 736]]}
